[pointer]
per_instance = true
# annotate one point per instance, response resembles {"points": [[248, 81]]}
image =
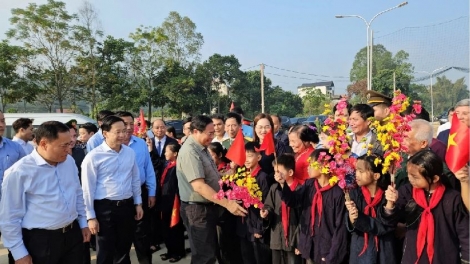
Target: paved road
{"points": [[156, 256]]}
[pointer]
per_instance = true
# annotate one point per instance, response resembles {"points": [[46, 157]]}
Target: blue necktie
{"points": [[159, 148]]}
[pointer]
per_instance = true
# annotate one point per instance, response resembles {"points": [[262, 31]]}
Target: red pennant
{"points": [[268, 144], [236, 152], [457, 149], [143, 124], [175, 212], [232, 106]]}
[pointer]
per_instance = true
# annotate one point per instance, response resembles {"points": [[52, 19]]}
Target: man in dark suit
{"points": [[279, 134], [157, 155]]}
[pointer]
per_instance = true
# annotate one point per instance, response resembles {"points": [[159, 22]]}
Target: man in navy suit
{"points": [[157, 155]]}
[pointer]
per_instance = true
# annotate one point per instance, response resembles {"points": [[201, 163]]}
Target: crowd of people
{"points": [[68, 188]]}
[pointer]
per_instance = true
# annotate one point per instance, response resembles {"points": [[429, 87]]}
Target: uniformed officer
{"points": [[380, 103]]}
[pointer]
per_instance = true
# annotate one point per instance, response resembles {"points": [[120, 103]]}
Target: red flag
{"points": [[143, 124], [175, 212], [268, 144], [236, 152], [457, 148], [232, 107]]}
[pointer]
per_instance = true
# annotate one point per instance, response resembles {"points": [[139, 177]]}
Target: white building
{"points": [[326, 88]]}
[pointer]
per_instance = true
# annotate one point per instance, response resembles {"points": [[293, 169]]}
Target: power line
{"points": [[301, 78], [427, 77], [251, 67], [311, 74]]}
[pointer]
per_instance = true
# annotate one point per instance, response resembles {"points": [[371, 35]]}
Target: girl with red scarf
{"points": [[168, 205], [282, 220], [372, 241], [323, 237], [436, 219]]}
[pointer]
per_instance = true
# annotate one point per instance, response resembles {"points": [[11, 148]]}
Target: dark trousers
{"points": [[142, 232], [117, 229], [255, 252], [228, 242], [174, 239], [53, 246], [200, 221], [285, 257], [86, 253]]}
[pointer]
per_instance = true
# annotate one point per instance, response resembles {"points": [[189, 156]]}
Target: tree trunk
{"points": [[150, 99]]}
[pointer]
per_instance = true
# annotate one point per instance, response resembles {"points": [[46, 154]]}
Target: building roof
{"points": [[327, 84]]}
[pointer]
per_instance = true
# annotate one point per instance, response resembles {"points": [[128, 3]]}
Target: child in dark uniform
{"points": [[436, 219], [323, 236], [254, 236], [283, 220], [372, 241]]}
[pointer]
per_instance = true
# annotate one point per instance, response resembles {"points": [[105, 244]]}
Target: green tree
{"points": [[11, 83], [247, 94], [181, 42], [314, 102], [419, 92], [283, 102], [47, 31], [384, 63], [88, 33], [447, 94]]}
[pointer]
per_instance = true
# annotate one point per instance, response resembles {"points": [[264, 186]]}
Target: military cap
{"points": [[375, 98]]}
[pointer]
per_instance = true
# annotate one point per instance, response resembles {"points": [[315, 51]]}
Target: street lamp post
{"points": [[369, 39], [431, 74]]}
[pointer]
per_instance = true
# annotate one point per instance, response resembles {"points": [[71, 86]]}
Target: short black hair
{"points": [[124, 114], [70, 126], [175, 147], [188, 119], [452, 109], [364, 110], [50, 130], [171, 129], [200, 123], [23, 123], [348, 106], [104, 113], [252, 147], [278, 117], [218, 116], [89, 127], [287, 161], [422, 115], [238, 110], [306, 133], [237, 117], [108, 122]]}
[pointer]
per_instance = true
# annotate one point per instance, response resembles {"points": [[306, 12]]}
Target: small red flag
{"points": [[232, 106], [175, 212], [236, 152], [457, 148], [268, 144], [143, 123]]}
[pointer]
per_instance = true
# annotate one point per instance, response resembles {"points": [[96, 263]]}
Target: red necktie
{"points": [[317, 203], [370, 210]]}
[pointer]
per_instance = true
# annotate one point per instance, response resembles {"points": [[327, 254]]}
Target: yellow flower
{"points": [[333, 180]]}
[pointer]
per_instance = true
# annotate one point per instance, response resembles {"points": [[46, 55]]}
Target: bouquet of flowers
{"points": [[241, 187], [342, 167], [140, 129], [391, 132]]}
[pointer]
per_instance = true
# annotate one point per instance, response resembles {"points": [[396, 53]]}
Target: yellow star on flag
{"points": [[451, 140]]}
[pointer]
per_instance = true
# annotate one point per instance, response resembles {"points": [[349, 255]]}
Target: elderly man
{"points": [[419, 138], [198, 183], [42, 213]]}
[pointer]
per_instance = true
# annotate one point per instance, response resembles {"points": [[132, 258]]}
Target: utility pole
{"points": [[370, 58], [262, 87]]}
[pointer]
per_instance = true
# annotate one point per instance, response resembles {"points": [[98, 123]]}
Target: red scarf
{"points": [[254, 172], [370, 210], [170, 165], [222, 167], [426, 224], [285, 213], [317, 203]]}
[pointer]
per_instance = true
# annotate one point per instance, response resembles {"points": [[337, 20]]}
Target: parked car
{"points": [[297, 120], [178, 125], [285, 122], [443, 118], [313, 119]]}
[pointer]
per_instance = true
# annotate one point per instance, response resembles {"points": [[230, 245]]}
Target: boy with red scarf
{"points": [[254, 238], [323, 237], [283, 220], [437, 222]]}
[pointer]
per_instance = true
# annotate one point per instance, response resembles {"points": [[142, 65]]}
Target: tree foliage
{"points": [[314, 102]]}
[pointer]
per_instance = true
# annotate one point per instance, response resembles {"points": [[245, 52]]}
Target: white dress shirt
{"points": [[360, 148], [28, 148], [443, 127], [39, 195], [107, 174]]}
